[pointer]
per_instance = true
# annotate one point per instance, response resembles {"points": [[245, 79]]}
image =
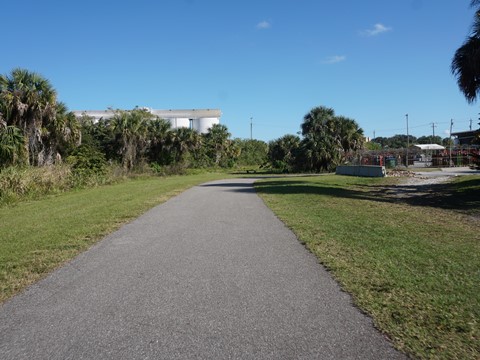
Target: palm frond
{"points": [[466, 68]]}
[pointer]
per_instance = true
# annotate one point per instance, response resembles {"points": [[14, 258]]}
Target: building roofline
{"points": [[468, 132], [170, 113]]}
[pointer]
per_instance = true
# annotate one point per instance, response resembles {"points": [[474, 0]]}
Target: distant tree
{"points": [[400, 141], [466, 61], [396, 141], [282, 152], [326, 139], [382, 141], [252, 152], [371, 145], [429, 140]]}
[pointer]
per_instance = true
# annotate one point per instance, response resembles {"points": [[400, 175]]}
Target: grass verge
{"points": [[413, 265], [38, 236]]}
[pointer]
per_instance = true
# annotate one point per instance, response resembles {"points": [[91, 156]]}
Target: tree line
{"points": [[36, 129], [401, 141]]}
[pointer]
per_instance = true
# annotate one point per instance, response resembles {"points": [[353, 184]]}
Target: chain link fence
{"points": [[391, 158]]}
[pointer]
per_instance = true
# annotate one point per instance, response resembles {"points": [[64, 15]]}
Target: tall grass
{"points": [[29, 183], [18, 183]]}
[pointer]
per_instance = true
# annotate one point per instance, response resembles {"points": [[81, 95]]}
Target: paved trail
{"points": [[211, 274]]}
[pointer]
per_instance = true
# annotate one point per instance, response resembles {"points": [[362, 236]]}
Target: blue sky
{"points": [[274, 60]]}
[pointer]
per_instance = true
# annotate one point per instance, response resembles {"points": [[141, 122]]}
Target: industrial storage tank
{"points": [[198, 119], [179, 122], [203, 124]]}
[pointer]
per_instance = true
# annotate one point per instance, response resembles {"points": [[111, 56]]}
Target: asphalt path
{"points": [[210, 274]]}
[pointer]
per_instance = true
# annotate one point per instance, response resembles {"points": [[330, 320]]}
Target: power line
{"points": [[424, 125]]}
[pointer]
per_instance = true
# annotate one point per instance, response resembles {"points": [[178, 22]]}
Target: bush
{"points": [[88, 166]]}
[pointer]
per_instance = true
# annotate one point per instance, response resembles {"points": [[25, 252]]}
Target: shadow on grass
{"points": [[228, 184], [235, 186], [463, 196]]}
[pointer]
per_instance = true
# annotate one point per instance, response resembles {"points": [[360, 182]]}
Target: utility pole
{"points": [[451, 126], [408, 142], [251, 128], [470, 124], [433, 128], [373, 134]]}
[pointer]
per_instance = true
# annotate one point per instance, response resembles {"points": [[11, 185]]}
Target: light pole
{"points": [[408, 141], [451, 126], [251, 128]]}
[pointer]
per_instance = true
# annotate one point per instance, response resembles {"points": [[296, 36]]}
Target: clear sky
{"points": [[371, 60]]}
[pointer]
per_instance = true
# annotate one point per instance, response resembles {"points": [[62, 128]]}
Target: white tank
{"points": [[179, 122], [203, 124]]}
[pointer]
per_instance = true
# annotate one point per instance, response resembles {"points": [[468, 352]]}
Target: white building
{"points": [[197, 119]]}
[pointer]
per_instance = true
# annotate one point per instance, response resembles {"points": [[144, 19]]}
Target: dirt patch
{"points": [[412, 185], [416, 181], [400, 173], [434, 191]]}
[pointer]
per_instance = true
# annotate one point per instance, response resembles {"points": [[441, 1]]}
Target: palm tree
{"points": [[282, 152], [218, 143], [319, 147], [60, 134], [316, 119], [327, 138], [466, 61], [131, 130], [350, 134], [158, 130], [181, 142], [28, 102], [12, 145]]}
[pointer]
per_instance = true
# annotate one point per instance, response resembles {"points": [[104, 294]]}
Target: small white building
{"points": [[197, 119], [430, 147]]}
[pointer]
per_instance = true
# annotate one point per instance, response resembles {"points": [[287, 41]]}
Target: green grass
{"points": [[38, 236], [413, 264]]}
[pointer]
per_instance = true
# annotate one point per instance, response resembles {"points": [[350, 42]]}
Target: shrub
{"points": [[88, 166]]}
